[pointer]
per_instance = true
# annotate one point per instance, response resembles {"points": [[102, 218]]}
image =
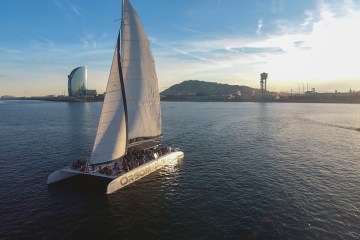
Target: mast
{"points": [[121, 75]]}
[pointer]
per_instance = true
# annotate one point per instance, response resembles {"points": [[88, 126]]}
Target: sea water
{"points": [[251, 171]]}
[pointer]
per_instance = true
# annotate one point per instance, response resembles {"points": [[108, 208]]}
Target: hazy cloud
{"points": [[196, 56], [308, 20], [69, 9], [259, 26], [318, 48], [42, 42], [298, 43], [277, 6], [190, 30], [104, 36], [322, 52], [89, 41], [75, 9], [58, 4]]}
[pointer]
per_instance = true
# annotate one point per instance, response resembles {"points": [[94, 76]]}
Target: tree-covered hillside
{"points": [[202, 88]]}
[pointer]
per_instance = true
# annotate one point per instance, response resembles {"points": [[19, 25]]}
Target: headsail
{"points": [[110, 141], [141, 84]]}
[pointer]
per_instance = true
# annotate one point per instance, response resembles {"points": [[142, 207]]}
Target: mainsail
{"points": [[131, 109], [141, 84]]}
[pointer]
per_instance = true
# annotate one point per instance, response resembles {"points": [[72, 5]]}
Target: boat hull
{"points": [[142, 171], [125, 178], [60, 175]]}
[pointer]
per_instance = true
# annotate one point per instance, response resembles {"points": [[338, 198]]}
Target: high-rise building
{"points": [[77, 82]]}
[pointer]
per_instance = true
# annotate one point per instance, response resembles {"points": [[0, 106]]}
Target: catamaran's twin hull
{"points": [[124, 179]]}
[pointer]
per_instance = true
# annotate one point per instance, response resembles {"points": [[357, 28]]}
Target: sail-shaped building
{"points": [[77, 82]]}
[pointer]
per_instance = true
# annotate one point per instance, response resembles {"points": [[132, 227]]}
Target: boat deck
{"points": [[116, 168]]}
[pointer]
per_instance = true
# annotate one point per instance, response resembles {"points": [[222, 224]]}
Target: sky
{"points": [[312, 43]]}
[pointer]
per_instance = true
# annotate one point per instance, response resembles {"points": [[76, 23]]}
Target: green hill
{"points": [[202, 88]]}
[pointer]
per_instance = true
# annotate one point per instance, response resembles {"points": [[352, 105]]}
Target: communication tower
{"points": [[263, 78]]}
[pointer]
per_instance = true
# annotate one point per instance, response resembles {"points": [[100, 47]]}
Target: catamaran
{"points": [[127, 144]]}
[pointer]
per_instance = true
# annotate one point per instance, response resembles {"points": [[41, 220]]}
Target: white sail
{"points": [[110, 141], [141, 84]]}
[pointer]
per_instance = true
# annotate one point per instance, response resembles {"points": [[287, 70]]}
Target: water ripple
{"points": [[251, 171]]}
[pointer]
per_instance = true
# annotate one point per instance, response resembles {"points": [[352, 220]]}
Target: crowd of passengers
{"points": [[133, 159], [80, 164]]}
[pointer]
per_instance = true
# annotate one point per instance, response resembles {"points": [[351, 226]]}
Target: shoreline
{"points": [[340, 101]]}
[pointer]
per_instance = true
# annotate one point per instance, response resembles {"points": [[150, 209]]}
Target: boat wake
{"points": [[331, 125]]}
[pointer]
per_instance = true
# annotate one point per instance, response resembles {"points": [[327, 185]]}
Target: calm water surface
{"points": [[251, 171]]}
